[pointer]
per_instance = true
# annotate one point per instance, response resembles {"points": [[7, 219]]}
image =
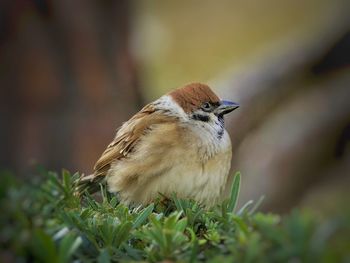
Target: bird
{"points": [[176, 144]]}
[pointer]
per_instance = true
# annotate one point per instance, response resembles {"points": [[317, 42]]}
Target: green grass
{"points": [[43, 221]]}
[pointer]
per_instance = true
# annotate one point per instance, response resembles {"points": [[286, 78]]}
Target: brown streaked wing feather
{"points": [[128, 136]]}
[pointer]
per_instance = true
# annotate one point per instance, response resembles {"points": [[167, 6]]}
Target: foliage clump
{"points": [[44, 221]]}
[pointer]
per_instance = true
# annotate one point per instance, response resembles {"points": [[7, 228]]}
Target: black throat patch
{"points": [[222, 124]]}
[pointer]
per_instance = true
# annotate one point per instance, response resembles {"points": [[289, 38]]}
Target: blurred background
{"points": [[72, 71]]}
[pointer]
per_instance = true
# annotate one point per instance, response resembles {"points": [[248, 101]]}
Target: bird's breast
{"points": [[170, 162], [196, 170]]}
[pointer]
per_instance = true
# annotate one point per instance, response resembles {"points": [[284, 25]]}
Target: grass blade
{"points": [[234, 192]]}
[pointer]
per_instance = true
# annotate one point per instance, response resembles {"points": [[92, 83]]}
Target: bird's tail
{"points": [[90, 183]]}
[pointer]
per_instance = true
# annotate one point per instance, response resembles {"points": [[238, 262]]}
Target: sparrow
{"points": [[176, 144]]}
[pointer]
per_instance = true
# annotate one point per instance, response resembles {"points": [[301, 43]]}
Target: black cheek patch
{"points": [[199, 117]]}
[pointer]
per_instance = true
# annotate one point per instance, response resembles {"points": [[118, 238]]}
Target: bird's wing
{"points": [[128, 136]]}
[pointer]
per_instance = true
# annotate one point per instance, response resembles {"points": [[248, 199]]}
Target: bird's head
{"points": [[201, 104]]}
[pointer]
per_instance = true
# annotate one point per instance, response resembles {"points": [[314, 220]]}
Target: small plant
{"points": [[45, 221]]}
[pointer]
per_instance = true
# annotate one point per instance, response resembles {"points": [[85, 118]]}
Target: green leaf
{"points": [[104, 256], [123, 233], [66, 180], [68, 246], [114, 201], [53, 179], [241, 224], [181, 225], [178, 203], [194, 245], [143, 216], [234, 192], [44, 247]]}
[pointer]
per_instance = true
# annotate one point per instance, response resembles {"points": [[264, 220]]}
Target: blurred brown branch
{"points": [[68, 80], [294, 111]]}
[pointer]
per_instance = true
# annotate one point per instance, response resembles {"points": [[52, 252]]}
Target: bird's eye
{"points": [[206, 106]]}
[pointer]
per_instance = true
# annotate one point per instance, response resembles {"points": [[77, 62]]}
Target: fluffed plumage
{"points": [[176, 144]]}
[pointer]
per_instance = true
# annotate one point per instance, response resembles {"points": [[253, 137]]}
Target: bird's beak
{"points": [[226, 107]]}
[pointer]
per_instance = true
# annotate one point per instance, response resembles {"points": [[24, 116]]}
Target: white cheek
{"points": [[167, 103]]}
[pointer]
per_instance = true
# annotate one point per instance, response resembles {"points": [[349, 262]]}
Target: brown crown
{"points": [[193, 95]]}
